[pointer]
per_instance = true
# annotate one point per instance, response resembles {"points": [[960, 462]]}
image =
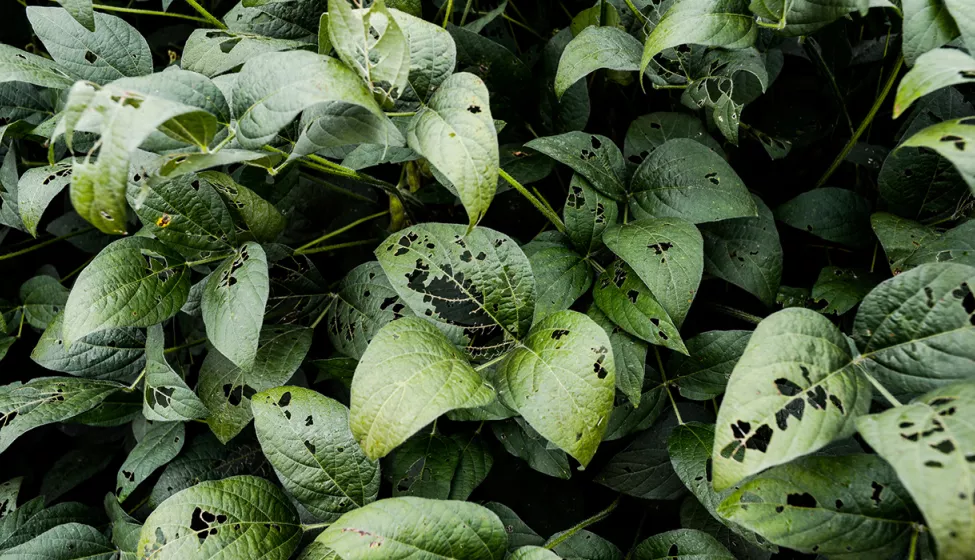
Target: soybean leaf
{"points": [[802, 17], [561, 380], [440, 467], [134, 282], [837, 215], [456, 133], [181, 86], [746, 252], [667, 255], [954, 245], [373, 44], [587, 214], [522, 441], [113, 354], [158, 446], [31, 519], [74, 468], [627, 301], [900, 238], [934, 70], [794, 390], [36, 189], [306, 438], [45, 400], [125, 528], [113, 50], [478, 283], [281, 20], [69, 541], [497, 65], [713, 354], [649, 132], [212, 52], [810, 504], [233, 304], [685, 179], [927, 26], [533, 553], [585, 545], [262, 219], [841, 288], [629, 356], [593, 49], [19, 66], [8, 495], [519, 533], [964, 16], [433, 53], [364, 303], [241, 516], [594, 157], [571, 111], [166, 397], [43, 299], [563, 276], [409, 376], [916, 331], [929, 443], [681, 544], [226, 389], [337, 124], [402, 526], [953, 140]]}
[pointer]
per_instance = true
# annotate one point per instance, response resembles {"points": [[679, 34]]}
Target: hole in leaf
{"points": [[804, 500]]}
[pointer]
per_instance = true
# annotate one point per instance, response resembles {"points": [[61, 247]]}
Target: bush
{"points": [[370, 280]]}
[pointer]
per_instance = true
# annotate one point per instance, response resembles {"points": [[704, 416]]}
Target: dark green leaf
{"points": [[713, 354], [158, 446], [233, 304], [837, 215], [594, 157]]}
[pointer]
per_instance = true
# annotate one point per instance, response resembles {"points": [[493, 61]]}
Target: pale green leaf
{"points": [[70, 541], [841, 289], [594, 157], [158, 446], [233, 304], [934, 70], [37, 187], [372, 43], [927, 26], [181, 86], [364, 303], [953, 140], [593, 49], [81, 11], [585, 545], [176, 164], [20, 66], [837, 215], [587, 214], [802, 17], [336, 124], [433, 54], [900, 238], [212, 52], [681, 544], [955, 245], [713, 354], [963, 13], [533, 553], [166, 397], [115, 354]]}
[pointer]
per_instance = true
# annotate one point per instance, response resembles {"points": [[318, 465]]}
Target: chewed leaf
{"points": [[365, 303], [934, 70], [167, 398], [159, 445], [233, 304], [587, 214], [594, 157], [953, 140], [681, 544]]}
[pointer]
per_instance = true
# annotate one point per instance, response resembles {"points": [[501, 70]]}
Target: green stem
{"points": [[208, 260], [552, 217], [467, 9], [77, 270], [401, 114], [185, 345], [636, 12], [207, 15], [568, 533], [596, 266], [666, 384], [314, 526], [448, 13], [336, 246], [105, 8], [883, 390], [301, 250], [338, 189], [132, 387], [521, 25], [866, 122], [324, 311], [736, 313], [490, 363], [43, 244], [231, 134], [911, 554]]}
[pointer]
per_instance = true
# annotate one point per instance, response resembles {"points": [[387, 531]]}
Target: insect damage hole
{"points": [[713, 177], [474, 109]]}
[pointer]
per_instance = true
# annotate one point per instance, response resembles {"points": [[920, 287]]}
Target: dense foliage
{"points": [[340, 279]]}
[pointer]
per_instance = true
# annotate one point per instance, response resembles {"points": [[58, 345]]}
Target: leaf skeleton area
{"points": [[487, 279]]}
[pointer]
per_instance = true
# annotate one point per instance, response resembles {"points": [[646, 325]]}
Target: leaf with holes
{"points": [[930, 443], [306, 438], [900, 238], [364, 303], [629, 356], [681, 544], [561, 380], [587, 214], [647, 133], [593, 49], [36, 189], [594, 157], [794, 390], [70, 541], [373, 44], [802, 17], [810, 504], [166, 397], [262, 219], [685, 179], [241, 516], [837, 215], [561, 274], [841, 289], [440, 467], [19, 66], [113, 354], [233, 304], [957, 245], [934, 70], [953, 140], [212, 52], [158, 446]]}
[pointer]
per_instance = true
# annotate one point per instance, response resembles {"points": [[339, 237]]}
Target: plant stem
{"points": [[565, 535], [736, 313], [596, 266], [891, 80], [467, 9], [206, 15], [639, 527], [639, 15], [521, 25], [314, 526], [448, 13], [77, 270], [324, 311], [490, 363], [911, 554], [341, 230], [666, 384], [336, 246], [552, 216], [131, 387], [105, 8], [401, 114], [883, 390], [185, 345], [209, 260], [43, 244]]}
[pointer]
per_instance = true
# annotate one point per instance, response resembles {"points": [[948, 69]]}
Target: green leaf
{"points": [[43, 298], [837, 215], [71, 541], [794, 390], [934, 70], [519, 534], [409, 376], [372, 43], [587, 214], [561, 380], [927, 26], [181, 86], [900, 238], [134, 282], [479, 283], [166, 397], [649, 132], [719, 23], [125, 528], [45, 400], [685, 179], [36, 189], [503, 71], [233, 304], [964, 15], [954, 245], [627, 301], [212, 52], [19, 66], [420, 528], [306, 437], [916, 332], [928, 442], [331, 125], [746, 252], [585, 545], [113, 50], [433, 54], [681, 544], [802, 17], [8, 495], [456, 133], [810, 504], [713, 354], [953, 140], [594, 157], [593, 49], [629, 356], [74, 468], [533, 553], [113, 354], [562, 274], [30, 520], [522, 441], [364, 303], [439, 467], [271, 89], [263, 220], [242, 516], [571, 111], [158, 446], [81, 11], [842, 288], [667, 254]]}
